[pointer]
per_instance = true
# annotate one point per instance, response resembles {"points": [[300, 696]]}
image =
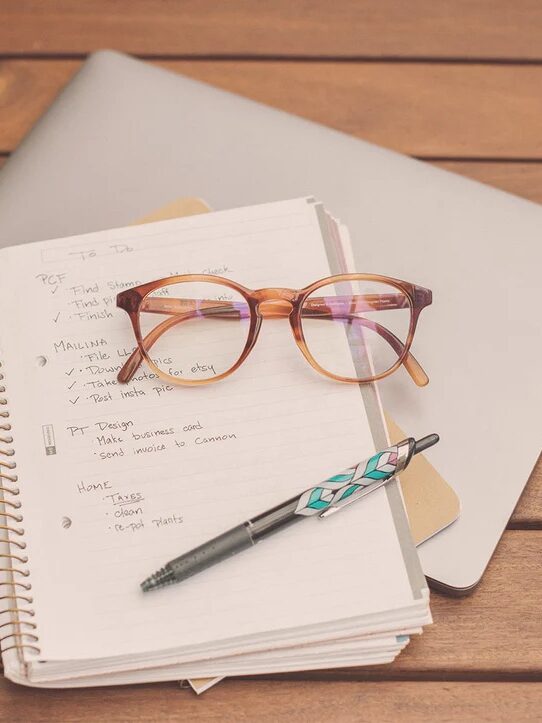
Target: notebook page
{"points": [[116, 480]]}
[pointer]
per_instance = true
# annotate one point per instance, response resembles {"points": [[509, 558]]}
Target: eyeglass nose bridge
{"points": [[274, 303]]}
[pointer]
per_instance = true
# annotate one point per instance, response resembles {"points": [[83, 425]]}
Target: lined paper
{"points": [[142, 473]]}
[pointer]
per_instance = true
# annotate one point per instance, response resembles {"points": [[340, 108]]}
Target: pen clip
{"points": [[332, 509], [404, 452]]}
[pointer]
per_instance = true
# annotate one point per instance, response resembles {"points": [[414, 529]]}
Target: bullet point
{"points": [[74, 401]]}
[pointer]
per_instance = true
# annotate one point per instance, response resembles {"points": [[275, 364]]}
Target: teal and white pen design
{"points": [[324, 499]]}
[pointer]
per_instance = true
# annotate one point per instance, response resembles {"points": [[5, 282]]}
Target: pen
{"points": [[323, 500]]}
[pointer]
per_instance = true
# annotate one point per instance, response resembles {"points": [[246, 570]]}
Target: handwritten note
{"points": [[145, 471]]}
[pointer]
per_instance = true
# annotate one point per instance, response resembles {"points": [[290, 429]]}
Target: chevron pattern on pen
{"points": [[377, 468]]}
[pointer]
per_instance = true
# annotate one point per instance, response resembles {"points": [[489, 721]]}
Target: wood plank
{"points": [[522, 179], [374, 28], [266, 701], [421, 109], [496, 628], [528, 512], [27, 88]]}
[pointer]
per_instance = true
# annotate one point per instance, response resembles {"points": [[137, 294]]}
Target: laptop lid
{"points": [[124, 137]]}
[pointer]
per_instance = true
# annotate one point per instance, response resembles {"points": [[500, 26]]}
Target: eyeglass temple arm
{"points": [[225, 310], [411, 364]]}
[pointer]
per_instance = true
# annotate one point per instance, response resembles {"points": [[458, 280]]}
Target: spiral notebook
{"points": [[101, 483]]}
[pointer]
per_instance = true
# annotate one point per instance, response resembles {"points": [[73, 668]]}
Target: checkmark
{"points": [[74, 401], [54, 290], [55, 319], [70, 372], [72, 385]]}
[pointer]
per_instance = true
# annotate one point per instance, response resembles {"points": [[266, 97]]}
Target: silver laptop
{"points": [[125, 137]]}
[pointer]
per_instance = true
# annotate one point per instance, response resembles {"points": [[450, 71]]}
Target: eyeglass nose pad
{"points": [[275, 308]]}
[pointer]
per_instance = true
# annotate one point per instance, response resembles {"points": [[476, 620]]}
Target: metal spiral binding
{"points": [[14, 591]]}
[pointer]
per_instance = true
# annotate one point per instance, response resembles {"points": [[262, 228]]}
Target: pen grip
{"points": [[210, 553]]}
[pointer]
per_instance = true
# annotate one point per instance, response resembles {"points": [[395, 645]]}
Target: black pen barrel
{"points": [[210, 553], [278, 518], [275, 519], [225, 545]]}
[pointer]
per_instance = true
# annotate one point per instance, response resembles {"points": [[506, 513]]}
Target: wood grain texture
{"points": [[522, 179], [495, 629], [422, 109], [352, 28], [528, 512], [266, 701]]}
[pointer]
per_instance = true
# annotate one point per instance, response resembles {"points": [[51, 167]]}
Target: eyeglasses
{"points": [[197, 328]]}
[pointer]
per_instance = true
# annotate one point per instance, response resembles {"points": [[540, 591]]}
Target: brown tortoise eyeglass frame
{"points": [[275, 303]]}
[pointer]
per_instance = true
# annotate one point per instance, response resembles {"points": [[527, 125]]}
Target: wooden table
{"points": [[458, 84]]}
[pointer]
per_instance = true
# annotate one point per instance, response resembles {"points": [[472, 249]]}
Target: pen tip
{"points": [[158, 579]]}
